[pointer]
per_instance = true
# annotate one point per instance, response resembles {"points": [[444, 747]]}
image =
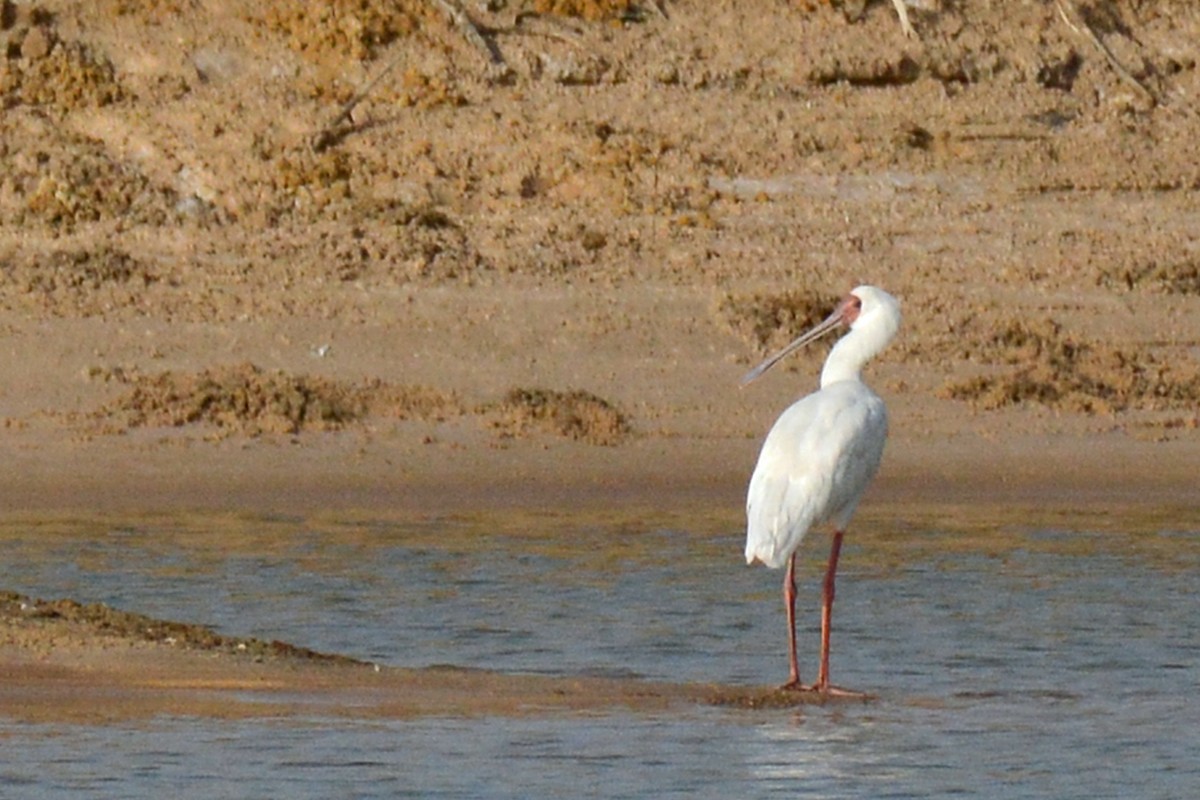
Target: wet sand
{"points": [[62, 663]]}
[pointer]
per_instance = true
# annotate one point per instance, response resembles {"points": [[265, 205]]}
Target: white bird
{"points": [[820, 456]]}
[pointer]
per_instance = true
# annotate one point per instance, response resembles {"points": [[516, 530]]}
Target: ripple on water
{"points": [[1034, 667]]}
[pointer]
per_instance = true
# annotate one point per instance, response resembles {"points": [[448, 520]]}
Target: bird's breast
{"points": [[815, 464]]}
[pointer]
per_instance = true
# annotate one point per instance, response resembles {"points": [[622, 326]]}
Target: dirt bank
{"points": [[550, 271]]}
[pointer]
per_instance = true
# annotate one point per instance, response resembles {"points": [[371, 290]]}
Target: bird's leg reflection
{"points": [[789, 603]]}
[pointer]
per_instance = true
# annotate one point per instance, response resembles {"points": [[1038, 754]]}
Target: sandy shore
{"points": [[63, 662], [677, 476]]}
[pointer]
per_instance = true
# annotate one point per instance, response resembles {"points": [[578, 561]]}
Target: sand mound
{"points": [[577, 415], [247, 399], [42, 69], [100, 620], [1059, 370]]}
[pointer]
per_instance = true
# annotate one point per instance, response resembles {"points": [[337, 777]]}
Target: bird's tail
{"points": [[764, 552]]}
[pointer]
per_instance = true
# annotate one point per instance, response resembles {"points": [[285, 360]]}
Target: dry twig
{"points": [[335, 129], [909, 31], [1085, 30], [471, 31]]}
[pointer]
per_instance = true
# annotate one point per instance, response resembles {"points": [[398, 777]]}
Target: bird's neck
{"points": [[848, 357]]}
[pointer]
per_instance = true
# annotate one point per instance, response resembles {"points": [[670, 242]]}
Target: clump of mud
{"points": [[1058, 370], [577, 415], [143, 8], [38, 68], [77, 282], [592, 10], [57, 178], [53, 175], [406, 240], [305, 184], [772, 320], [345, 29], [425, 91], [249, 400], [361, 29], [102, 620], [1175, 277]]}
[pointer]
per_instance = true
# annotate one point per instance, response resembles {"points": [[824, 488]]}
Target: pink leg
{"points": [[827, 612], [789, 603]]}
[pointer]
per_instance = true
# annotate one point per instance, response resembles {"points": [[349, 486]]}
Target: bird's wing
{"points": [[814, 465]]}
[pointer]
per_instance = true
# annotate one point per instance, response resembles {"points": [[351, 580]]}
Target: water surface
{"points": [[1024, 663]]}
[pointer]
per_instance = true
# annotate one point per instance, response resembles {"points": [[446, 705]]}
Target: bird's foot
{"points": [[817, 692], [837, 691]]}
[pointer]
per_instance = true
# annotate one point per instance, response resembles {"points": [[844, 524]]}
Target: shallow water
{"points": [[1028, 663]]}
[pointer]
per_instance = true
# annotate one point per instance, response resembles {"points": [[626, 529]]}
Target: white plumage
{"points": [[814, 466], [821, 454]]}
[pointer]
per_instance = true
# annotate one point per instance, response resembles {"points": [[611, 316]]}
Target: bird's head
{"points": [[867, 308]]}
